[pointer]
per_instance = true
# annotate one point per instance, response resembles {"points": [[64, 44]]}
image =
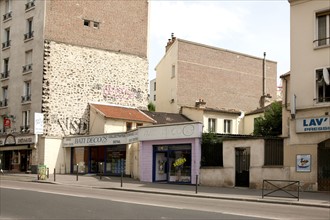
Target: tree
{"points": [[151, 107], [271, 123]]}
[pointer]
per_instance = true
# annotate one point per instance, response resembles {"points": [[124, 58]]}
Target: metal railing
{"points": [[280, 186]]}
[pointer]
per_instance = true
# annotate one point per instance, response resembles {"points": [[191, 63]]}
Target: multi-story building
{"points": [[56, 57], [306, 97], [224, 79]]}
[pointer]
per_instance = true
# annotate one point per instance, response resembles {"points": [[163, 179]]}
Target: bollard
{"points": [[196, 183], [77, 173], [121, 179], [54, 174], [47, 173]]}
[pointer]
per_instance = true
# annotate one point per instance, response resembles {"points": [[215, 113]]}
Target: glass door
{"points": [[180, 166], [97, 157]]}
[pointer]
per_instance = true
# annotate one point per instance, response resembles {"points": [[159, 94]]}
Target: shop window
{"points": [[115, 160], [80, 157], [273, 152], [15, 158], [212, 154]]}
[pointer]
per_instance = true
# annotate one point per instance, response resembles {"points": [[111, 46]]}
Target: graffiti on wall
{"points": [[111, 92], [72, 126]]}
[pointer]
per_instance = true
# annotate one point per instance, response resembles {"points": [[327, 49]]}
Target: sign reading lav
{"points": [[315, 124]]}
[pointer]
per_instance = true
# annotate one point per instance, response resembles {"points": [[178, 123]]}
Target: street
{"points": [[26, 200]]}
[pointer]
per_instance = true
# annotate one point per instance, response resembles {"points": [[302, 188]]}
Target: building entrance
{"points": [[242, 166], [323, 166]]}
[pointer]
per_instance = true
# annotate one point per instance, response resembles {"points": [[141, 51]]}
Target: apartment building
{"points": [[225, 79], [306, 97], [56, 57]]}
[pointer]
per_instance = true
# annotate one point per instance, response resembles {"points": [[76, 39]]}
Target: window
{"points": [[173, 71], [96, 25], [28, 61], [154, 97], [322, 86], [154, 86], [6, 43], [30, 4], [4, 101], [129, 126], [273, 152], [87, 23], [139, 124], [29, 29], [25, 121], [212, 127], [5, 72], [7, 14], [26, 92], [227, 126], [323, 28]]}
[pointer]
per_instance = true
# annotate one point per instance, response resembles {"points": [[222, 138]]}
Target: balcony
{"points": [[26, 98], [27, 68], [29, 5], [4, 103], [4, 75], [6, 44], [28, 35], [25, 128], [7, 16]]}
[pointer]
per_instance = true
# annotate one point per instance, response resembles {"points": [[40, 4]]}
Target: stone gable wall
{"points": [[74, 76]]}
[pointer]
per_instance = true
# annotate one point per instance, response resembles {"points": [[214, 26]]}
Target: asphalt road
{"points": [[23, 200]]}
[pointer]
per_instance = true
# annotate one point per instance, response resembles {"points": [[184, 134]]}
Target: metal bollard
{"points": [[121, 179], [54, 174], [77, 173], [196, 183]]}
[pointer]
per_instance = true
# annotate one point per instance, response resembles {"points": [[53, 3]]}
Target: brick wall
{"points": [[74, 76], [123, 25], [221, 78]]}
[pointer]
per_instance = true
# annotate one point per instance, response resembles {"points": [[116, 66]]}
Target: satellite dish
{"points": [[326, 76]]}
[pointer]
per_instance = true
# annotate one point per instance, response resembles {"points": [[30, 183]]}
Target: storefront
{"points": [[106, 154], [172, 163], [16, 153], [170, 153], [109, 160]]}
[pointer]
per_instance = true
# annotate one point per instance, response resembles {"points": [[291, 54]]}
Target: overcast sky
{"points": [[245, 26]]}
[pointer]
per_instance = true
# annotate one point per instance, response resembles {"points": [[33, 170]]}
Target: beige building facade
{"points": [[306, 96], [56, 57], [191, 71]]}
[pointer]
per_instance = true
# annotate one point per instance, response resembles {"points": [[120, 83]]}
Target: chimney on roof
{"points": [[200, 103], [170, 42]]}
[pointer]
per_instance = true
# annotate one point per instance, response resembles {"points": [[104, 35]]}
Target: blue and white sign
{"points": [[316, 124]]}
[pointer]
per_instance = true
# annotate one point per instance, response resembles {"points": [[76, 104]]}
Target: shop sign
{"points": [[315, 124], [170, 132], [38, 123], [108, 139], [20, 140], [6, 123]]}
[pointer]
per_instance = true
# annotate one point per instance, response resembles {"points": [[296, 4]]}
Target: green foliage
{"points": [[151, 107], [210, 138], [271, 123]]}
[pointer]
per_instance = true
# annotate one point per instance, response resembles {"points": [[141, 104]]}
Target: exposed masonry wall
{"points": [[74, 76]]}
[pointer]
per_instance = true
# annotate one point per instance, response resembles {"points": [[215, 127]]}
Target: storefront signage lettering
{"points": [[318, 124], [12, 140], [26, 140]]}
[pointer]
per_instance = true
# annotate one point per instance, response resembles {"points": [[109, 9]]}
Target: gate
{"points": [[323, 166], [242, 168]]}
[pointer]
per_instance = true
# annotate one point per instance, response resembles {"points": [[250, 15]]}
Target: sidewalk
{"points": [[314, 199]]}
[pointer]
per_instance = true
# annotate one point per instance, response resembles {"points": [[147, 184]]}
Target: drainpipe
{"points": [[264, 76]]}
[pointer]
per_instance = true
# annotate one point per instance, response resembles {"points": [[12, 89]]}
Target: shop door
{"points": [[179, 166], [323, 166], [242, 161], [23, 160], [161, 167], [97, 158]]}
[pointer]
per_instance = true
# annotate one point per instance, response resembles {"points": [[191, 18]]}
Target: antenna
{"points": [[326, 76]]}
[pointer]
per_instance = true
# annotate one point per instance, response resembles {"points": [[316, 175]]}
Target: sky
{"points": [[247, 26]]}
